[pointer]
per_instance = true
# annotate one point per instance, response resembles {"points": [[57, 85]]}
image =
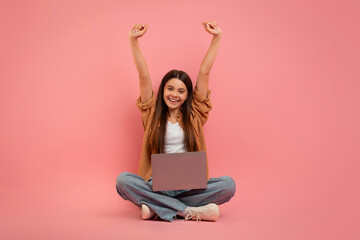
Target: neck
{"points": [[173, 112]]}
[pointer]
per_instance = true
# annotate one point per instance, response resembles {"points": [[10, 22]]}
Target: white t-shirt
{"points": [[174, 138]]}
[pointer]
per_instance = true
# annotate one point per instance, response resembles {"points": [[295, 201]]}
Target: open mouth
{"points": [[172, 100]]}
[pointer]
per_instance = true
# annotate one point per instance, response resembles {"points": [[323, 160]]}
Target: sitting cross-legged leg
{"points": [[196, 204], [135, 189], [202, 203]]}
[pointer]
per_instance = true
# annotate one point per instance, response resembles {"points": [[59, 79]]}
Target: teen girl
{"points": [[173, 122]]}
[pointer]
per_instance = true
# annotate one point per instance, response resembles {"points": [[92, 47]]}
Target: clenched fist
{"points": [[212, 28], [138, 30]]}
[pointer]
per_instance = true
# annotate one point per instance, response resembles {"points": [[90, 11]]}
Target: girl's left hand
{"points": [[212, 28]]}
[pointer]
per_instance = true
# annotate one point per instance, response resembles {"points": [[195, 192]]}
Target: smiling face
{"points": [[175, 93]]}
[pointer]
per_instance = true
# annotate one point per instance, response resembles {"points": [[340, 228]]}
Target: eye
{"points": [[169, 88], [181, 92]]}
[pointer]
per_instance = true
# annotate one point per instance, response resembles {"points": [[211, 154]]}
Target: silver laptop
{"points": [[178, 171]]}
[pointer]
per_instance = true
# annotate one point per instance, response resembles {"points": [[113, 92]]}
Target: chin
{"points": [[173, 107]]}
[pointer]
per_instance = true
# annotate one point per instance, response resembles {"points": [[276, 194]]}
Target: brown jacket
{"points": [[201, 106]]}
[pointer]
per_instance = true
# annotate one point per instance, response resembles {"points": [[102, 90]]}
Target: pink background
{"points": [[285, 119]]}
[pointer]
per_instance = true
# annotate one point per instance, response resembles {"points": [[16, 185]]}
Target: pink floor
{"points": [[77, 213]]}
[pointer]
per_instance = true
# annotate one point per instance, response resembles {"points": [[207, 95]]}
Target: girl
{"points": [[173, 122]]}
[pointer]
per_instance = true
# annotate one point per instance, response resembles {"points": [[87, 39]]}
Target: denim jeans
{"points": [[166, 204]]}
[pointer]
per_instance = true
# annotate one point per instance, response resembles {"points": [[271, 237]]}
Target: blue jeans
{"points": [[166, 204]]}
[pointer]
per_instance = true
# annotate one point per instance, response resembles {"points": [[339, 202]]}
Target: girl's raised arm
{"points": [[141, 66], [202, 81]]}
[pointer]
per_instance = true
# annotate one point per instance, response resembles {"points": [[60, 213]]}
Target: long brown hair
{"points": [[158, 127]]}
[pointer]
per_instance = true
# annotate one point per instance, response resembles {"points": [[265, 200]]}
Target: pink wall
{"points": [[285, 92]]}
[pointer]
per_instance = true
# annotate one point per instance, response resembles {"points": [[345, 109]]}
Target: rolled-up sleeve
{"points": [[201, 105], [145, 108]]}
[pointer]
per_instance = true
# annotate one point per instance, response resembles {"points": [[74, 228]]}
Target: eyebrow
{"points": [[174, 87]]}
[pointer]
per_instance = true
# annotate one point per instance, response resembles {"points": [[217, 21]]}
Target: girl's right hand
{"points": [[138, 30]]}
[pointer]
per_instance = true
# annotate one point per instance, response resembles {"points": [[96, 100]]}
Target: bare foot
{"points": [[146, 212]]}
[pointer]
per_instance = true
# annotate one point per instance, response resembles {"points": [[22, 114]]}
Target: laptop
{"points": [[179, 171]]}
